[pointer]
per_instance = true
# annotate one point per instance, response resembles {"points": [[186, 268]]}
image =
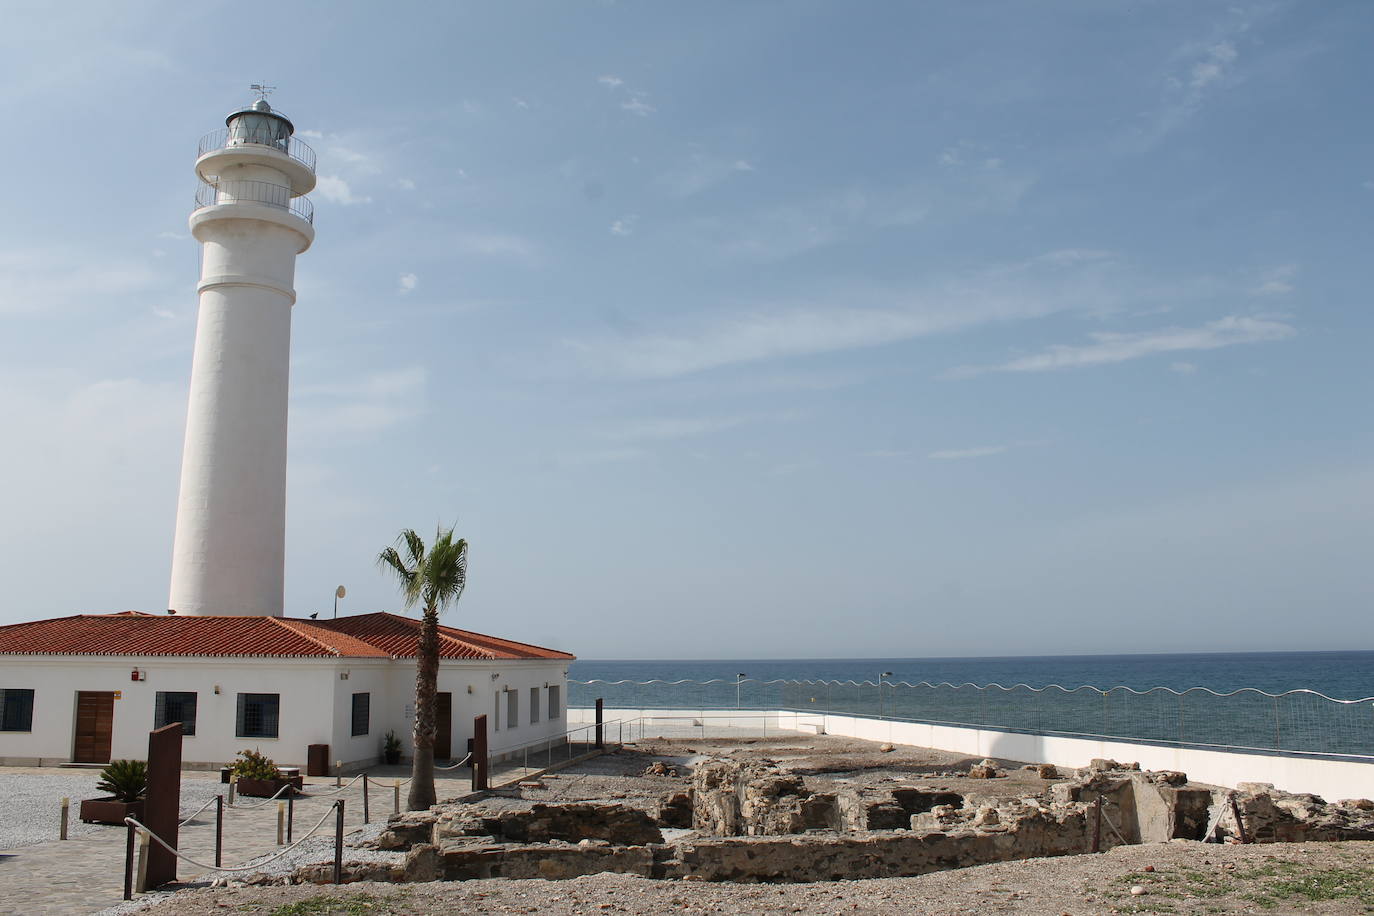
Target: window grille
{"points": [[258, 715], [512, 708], [362, 713], [16, 710], [175, 706], [534, 705], [555, 702]]}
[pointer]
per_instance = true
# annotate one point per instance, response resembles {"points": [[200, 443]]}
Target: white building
{"points": [[89, 688]]}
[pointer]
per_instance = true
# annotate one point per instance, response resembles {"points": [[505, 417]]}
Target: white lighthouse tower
{"points": [[251, 220]]}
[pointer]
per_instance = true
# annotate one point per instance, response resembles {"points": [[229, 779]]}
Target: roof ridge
{"points": [[309, 637]]}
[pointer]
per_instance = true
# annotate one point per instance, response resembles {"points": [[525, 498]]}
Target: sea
{"points": [[1339, 674], [1313, 702]]}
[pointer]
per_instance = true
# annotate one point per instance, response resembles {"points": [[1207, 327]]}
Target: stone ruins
{"points": [[741, 817]]}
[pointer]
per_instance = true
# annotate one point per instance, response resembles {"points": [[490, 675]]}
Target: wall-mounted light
{"points": [[343, 675], [217, 690], [495, 675], [469, 688]]}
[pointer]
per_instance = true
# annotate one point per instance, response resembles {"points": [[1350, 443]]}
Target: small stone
{"points": [[1149, 868], [1137, 889], [886, 748]]}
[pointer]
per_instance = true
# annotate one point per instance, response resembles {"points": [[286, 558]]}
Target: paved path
{"points": [[86, 873]]}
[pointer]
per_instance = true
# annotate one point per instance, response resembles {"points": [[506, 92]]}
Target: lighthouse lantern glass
{"points": [[260, 129]]}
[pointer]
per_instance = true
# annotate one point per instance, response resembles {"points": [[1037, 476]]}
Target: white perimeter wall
{"points": [[1331, 779], [316, 704]]}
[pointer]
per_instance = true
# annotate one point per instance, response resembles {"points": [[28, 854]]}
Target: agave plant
{"points": [[126, 780]]}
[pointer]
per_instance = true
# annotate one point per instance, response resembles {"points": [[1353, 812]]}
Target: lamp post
{"points": [[880, 691], [338, 593], [739, 679]]}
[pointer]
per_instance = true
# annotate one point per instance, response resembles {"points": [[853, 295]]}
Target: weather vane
{"points": [[262, 89]]}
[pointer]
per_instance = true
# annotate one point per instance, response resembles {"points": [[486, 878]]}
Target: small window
{"points": [[362, 710], [258, 715], [555, 702], [176, 707], [16, 710], [512, 708], [496, 714], [534, 705]]}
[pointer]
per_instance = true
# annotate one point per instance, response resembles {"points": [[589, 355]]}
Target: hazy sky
{"points": [[730, 329]]}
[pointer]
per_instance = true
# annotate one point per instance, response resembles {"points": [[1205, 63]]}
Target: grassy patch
{"points": [[324, 905]]}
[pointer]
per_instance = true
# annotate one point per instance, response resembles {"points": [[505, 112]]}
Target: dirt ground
{"points": [[1187, 878]]}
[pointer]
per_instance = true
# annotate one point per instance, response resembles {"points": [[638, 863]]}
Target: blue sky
{"points": [[730, 329]]}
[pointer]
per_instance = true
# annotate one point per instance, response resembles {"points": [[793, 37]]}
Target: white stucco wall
{"points": [[315, 707], [1330, 778]]}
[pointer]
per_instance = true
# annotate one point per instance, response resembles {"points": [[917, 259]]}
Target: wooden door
{"points": [[94, 726], [443, 735]]}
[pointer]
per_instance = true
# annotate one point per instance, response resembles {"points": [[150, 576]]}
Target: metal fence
{"points": [[244, 135], [234, 191], [1296, 721]]}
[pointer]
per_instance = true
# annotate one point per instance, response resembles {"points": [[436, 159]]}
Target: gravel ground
{"points": [[31, 801], [1187, 878]]}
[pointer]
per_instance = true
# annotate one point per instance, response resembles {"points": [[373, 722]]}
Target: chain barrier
{"points": [[231, 868]]}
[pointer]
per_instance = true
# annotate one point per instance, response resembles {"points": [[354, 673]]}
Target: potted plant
{"points": [[126, 782], [391, 749], [258, 776]]}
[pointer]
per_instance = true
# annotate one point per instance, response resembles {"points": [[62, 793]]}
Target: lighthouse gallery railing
{"points": [[234, 191]]}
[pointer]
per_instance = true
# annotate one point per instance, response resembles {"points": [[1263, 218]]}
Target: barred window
{"points": [[534, 705], [496, 715], [16, 710], [362, 710], [555, 702], [512, 708], [172, 706], [258, 715]]}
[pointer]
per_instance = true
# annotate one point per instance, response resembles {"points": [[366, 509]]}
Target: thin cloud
{"points": [[636, 105], [1108, 347], [1182, 368], [625, 225], [336, 190], [610, 82], [954, 454], [407, 283], [1277, 282]]}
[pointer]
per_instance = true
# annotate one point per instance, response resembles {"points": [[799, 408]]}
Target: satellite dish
{"points": [[340, 592]]}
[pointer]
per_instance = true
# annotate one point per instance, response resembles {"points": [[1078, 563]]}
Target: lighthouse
{"points": [[251, 220]]}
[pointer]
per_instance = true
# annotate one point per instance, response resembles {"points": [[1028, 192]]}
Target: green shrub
{"points": [[126, 780], [253, 765], [392, 744]]}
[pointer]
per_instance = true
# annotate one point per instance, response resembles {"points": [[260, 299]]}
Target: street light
{"points": [[880, 691], [739, 679], [338, 593]]}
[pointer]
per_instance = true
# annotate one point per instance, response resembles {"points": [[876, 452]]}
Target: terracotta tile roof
{"points": [[398, 636], [135, 633]]}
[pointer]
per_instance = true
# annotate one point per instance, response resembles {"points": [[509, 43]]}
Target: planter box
{"points": [[109, 811], [266, 788]]}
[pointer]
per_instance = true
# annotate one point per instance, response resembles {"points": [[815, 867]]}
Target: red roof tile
{"points": [[399, 637], [134, 633]]}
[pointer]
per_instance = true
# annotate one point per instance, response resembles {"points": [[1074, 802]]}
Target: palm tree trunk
{"points": [[426, 686]]}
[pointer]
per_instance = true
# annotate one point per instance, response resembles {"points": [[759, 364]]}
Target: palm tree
{"points": [[433, 579]]}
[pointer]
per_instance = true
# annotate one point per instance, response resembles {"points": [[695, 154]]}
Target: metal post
{"points": [[338, 840], [1097, 825], [281, 823], [1278, 732], [600, 718], [366, 811], [129, 863], [66, 813], [290, 816], [396, 797], [219, 829], [233, 784], [338, 774]]}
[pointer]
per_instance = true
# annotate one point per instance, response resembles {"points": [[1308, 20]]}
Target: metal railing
{"points": [[241, 135], [1292, 722], [236, 191], [572, 743]]}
